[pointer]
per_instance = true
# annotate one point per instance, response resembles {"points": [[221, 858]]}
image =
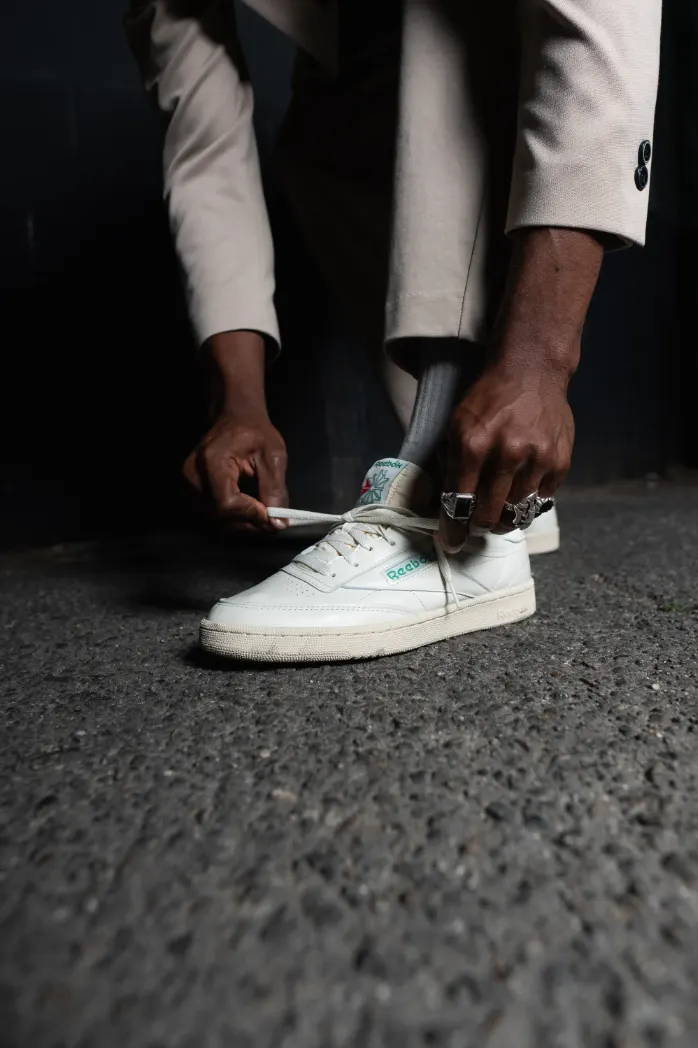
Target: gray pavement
{"points": [[492, 842]]}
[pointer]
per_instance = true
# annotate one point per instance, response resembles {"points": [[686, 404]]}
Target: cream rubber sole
{"points": [[543, 542], [286, 644]]}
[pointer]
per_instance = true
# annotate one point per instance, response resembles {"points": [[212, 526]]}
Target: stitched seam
{"points": [[470, 262]]}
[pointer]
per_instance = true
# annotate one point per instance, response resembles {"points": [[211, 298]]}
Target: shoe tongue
{"points": [[396, 482]]}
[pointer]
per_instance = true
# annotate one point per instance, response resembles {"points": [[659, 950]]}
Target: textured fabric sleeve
{"points": [[588, 90], [191, 64]]}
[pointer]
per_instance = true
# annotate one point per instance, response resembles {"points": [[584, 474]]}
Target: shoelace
{"points": [[358, 525]]}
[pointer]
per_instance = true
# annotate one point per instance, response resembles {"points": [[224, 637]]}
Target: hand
{"points": [[242, 442], [512, 434], [237, 447]]}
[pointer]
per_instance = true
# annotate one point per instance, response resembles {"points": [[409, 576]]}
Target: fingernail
{"points": [[279, 523]]}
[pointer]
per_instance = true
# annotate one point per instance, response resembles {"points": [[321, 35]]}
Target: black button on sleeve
{"points": [[644, 154], [641, 177]]}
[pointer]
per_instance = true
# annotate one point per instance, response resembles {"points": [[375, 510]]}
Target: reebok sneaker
{"points": [[376, 584]]}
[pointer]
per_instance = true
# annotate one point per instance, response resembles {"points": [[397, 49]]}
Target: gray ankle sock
{"points": [[439, 384]]}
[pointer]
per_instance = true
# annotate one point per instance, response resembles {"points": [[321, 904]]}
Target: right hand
{"points": [[237, 447], [242, 442]]}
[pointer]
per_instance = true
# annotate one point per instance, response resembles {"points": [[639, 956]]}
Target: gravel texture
{"points": [[491, 842]]}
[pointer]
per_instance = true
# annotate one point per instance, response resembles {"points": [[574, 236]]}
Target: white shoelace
{"points": [[357, 528]]}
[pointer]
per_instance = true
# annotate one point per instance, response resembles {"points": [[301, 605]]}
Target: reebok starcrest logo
{"points": [[378, 480]]}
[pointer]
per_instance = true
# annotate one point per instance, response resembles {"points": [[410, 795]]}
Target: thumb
{"points": [[271, 476], [452, 534]]}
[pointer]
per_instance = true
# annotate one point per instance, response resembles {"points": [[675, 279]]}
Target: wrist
{"points": [[531, 352], [249, 415], [236, 370], [551, 280]]}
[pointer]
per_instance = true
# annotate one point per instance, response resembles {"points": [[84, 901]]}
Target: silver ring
{"points": [[458, 506], [525, 512]]}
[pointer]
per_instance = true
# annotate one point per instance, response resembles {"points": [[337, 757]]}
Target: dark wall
{"points": [[681, 52], [100, 400], [89, 294]]}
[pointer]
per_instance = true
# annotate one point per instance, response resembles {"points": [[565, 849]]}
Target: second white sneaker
{"points": [[376, 584], [543, 536]]}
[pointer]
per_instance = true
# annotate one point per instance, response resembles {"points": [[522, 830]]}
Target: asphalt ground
{"points": [[490, 842]]}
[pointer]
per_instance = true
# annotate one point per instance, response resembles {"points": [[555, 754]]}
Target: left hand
{"points": [[512, 434]]}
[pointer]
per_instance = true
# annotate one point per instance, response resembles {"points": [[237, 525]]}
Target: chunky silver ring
{"points": [[458, 506], [525, 512]]}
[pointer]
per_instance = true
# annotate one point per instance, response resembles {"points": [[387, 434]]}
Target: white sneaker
{"points": [[376, 584], [543, 536]]}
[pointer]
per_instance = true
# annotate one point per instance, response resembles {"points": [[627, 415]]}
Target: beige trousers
{"points": [[350, 174], [335, 159]]}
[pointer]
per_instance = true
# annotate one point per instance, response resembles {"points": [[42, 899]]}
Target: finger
{"points": [[525, 482], [221, 476], [465, 458], [190, 472], [551, 482], [239, 509], [452, 533], [271, 475], [493, 491]]}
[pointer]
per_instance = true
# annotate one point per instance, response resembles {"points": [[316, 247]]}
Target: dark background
{"points": [[101, 393]]}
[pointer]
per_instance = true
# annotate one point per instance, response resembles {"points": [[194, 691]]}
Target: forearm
{"points": [[236, 372], [551, 281], [193, 68]]}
